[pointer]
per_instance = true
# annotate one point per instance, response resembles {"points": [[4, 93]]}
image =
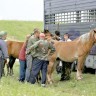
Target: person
{"points": [[59, 62], [22, 60], [66, 66], [3, 51], [66, 37], [40, 60], [57, 35], [31, 41]]}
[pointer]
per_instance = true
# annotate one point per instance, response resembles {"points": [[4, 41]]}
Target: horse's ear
{"points": [[94, 31]]}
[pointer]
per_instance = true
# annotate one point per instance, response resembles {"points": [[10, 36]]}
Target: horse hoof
{"points": [[8, 74], [12, 75], [50, 82], [79, 78]]}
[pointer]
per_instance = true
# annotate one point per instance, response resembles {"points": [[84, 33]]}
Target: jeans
{"points": [[38, 65], [22, 70], [29, 66]]}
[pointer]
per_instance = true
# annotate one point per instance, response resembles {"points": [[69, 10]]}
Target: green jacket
{"points": [[42, 47], [30, 42]]}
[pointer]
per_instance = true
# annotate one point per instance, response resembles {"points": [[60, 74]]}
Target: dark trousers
{"points": [[63, 70], [1, 66], [22, 70], [66, 70], [38, 65]]}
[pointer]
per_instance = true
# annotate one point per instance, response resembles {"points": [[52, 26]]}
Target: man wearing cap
{"points": [[40, 60], [31, 41], [3, 51], [57, 35], [66, 37]]}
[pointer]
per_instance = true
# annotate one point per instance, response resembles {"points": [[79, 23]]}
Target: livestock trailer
{"points": [[73, 17]]}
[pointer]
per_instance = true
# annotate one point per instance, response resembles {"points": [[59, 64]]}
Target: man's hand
{"points": [[28, 50]]}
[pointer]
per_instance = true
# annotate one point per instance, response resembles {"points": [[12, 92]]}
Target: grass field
{"points": [[19, 29], [9, 86]]}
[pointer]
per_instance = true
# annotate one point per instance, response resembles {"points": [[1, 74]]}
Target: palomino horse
{"points": [[14, 48], [65, 75], [73, 50]]}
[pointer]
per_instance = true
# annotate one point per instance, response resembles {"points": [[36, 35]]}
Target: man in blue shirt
{"points": [[3, 51]]}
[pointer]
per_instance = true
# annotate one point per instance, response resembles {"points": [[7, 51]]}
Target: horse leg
{"points": [[80, 66], [11, 70], [51, 68], [49, 72], [38, 78], [11, 67], [3, 72], [7, 69], [11, 63]]}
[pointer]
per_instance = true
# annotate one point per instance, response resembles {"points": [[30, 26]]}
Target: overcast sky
{"points": [[21, 10]]}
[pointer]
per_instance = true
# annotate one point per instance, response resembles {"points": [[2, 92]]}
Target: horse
{"points": [[77, 49], [65, 69], [14, 48]]}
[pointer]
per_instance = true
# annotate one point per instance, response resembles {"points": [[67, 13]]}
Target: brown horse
{"points": [[66, 65], [14, 48], [13, 51], [73, 50]]}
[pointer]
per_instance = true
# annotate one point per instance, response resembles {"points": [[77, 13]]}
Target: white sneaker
{"points": [[43, 85]]}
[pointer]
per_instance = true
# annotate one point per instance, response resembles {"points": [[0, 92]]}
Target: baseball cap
{"points": [[2, 33]]}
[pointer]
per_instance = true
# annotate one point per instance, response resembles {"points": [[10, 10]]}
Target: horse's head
{"points": [[48, 35], [52, 41]]}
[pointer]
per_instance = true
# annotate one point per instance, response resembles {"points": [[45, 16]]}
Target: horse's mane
{"points": [[84, 37]]}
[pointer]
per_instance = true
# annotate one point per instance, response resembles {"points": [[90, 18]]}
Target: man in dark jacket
{"points": [[3, 52]]}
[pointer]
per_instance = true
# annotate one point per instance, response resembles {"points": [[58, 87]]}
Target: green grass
{"points": [[9, 86], [19, 29]]}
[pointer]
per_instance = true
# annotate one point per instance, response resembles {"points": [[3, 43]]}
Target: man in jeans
{"points": [[31, 41], [22, 60], [40, 60]]}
